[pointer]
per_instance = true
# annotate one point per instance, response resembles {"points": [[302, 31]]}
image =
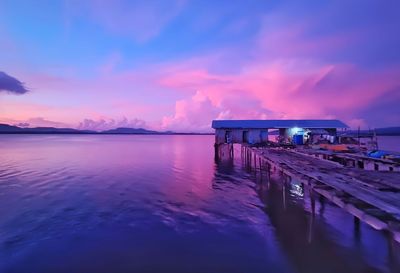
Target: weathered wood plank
{"points": [[372, 196]]}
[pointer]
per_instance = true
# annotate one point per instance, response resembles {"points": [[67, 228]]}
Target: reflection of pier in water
{"points": [[303, 230], [371, 196], [305, 237]]}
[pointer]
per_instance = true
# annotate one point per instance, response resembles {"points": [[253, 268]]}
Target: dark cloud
{"points": [[11, 84]]}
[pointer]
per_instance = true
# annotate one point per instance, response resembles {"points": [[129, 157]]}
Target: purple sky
{"points": [[176, 65]]}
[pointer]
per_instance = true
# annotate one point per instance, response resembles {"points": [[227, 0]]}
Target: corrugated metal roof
{"points": [[278, 123]]}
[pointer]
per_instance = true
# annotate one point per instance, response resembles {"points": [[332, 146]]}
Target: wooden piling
{"points": [[359, 192]]}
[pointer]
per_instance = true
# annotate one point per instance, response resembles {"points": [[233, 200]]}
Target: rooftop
{"points": [[278, 123]]}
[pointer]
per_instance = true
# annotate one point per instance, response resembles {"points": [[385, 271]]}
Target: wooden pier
{"points": [[354, 160], [371, 196]]}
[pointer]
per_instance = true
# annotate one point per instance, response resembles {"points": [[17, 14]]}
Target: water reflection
{"points": [[317, 236], [162, 204]]}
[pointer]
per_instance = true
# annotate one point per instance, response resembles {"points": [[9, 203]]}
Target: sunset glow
{"points": [[177, 65]]}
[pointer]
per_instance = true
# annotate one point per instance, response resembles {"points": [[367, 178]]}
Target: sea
{"points": [[152, 203], [389, 143]]}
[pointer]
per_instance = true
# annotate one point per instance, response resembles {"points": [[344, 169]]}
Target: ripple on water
{"points": [[125, 200]]}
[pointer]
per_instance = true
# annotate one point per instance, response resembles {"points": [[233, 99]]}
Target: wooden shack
{"points": [[256, 131]]}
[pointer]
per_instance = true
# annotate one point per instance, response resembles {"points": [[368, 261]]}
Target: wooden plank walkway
{"points": [[371, 196], [353, 160]]}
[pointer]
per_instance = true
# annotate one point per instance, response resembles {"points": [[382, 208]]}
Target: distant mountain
{"points": [[388, 131], [10, 129], [5, 128], [122, 130], [141, 131]]}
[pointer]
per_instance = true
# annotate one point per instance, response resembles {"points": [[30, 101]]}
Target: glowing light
{"points": [[297, 189], [296, 130]]}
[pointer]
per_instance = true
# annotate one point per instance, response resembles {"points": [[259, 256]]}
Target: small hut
{"points": [[290, 131]]}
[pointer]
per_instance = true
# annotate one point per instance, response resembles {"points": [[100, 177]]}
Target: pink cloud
{"points": [[285, 89], [283, 78], [192, 114], [282, 75], [107, 124], [357, 122], [260, 88], [42, 122], [35, 122]]}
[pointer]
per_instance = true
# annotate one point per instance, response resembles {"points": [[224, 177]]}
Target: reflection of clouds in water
{"points": [[160, 192], [222, 200], [187, 219], [191, 167]]}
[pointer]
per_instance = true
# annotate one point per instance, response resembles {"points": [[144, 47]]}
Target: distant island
{"points": [[11, 129], [387, 131]]}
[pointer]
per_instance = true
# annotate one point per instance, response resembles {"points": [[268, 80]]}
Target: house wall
{"points": [[264, 135], [254, 136], [219, 136], [237, 136], [331, 131]]}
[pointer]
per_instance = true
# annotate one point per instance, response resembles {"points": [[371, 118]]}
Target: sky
{"points": [[177, 65]]}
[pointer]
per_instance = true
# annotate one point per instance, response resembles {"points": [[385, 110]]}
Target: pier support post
{"points": [[223, 151], [322, 205], [357, 229], [312, 200], [284, 196]]}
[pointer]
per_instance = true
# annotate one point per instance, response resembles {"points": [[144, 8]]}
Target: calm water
{"points": [[389, 143], [162, 204]]}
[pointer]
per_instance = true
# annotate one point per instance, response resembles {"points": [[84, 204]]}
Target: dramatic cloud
{"points": [[42, 122], [192, 115], [285, 89], [11, 84], [195, 114], [295, 70], [107, 124], [35, 122], [202, 60]]}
